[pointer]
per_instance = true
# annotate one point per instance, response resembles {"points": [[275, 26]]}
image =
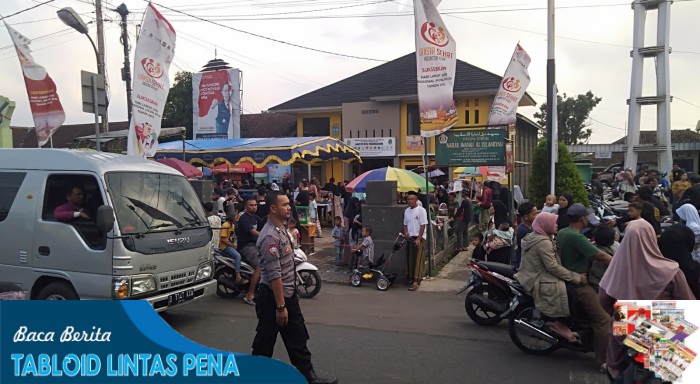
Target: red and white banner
{"points": [[155, 50], [216, 104], [512, 89], [436, 62], [43, 99]]}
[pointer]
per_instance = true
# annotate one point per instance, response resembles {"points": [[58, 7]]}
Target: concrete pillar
{"points": [[663, 88], [635, 109]]}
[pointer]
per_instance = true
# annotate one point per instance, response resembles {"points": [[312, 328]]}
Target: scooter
{"points": [[225, 275], [308, 278], [529, 329], [487, 301]]}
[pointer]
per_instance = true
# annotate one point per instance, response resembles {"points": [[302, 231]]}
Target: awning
{"points": [[240, 168], [260, 151]]}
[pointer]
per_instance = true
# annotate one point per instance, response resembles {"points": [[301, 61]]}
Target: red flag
{"points": [[43, 99]]}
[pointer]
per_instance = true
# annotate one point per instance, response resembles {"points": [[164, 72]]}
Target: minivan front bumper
{"points": [[182, 296]]}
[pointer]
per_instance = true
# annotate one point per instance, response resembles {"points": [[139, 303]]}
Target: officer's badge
{"points": [[272, 249]]}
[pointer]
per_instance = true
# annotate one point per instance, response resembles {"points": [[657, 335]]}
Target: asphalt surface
{"points": [[362, 335]]}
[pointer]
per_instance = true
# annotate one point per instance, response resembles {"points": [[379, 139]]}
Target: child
{"points": [[338, 235], [367, 247], [294, 232], [604, 237], [500, 238], [313, 214], [479, 252], [550, 206]]}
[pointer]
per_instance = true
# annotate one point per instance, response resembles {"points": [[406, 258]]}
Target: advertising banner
{"points": [[118, 342], [436, 61], [43, 99], [277, 172], [216, 104], [512, 89], [155, 50], [472, 148]]}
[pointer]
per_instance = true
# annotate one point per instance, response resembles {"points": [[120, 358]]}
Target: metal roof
{"points": [[77, 160]]}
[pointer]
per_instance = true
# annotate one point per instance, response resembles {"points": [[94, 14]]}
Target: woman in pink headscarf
{"points": [[542, 274], [638, 272]]}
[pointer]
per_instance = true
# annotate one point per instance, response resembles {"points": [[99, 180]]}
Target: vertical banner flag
{"points": [[512, 89], [436, 61], [216, 104], [155, 50], [43, 99]]}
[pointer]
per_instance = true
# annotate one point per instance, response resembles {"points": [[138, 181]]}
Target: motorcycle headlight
{"points": [[142, 284], [204, 271]]}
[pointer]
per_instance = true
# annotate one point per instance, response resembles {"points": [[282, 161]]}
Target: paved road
{"points": [[362, 335]]}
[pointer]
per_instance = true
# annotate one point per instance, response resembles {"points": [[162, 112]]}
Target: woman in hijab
{"points": [[505, 196], [638, 272], [689, 214], [677, 243], [518, 195], [565, 201], [542, 274], [500, 213]]}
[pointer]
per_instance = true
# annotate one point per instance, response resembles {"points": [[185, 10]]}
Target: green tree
{"points": [[573, 114], [178, 107], [568, 179]]}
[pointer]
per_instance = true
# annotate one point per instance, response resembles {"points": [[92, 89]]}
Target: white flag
{"points": [[436, 61], [155, 50], [512, 89]]}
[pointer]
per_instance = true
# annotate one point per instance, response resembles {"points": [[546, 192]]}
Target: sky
{"points": [[593, 43]]}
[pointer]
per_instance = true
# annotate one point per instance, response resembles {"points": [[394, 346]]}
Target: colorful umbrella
{"points": [[187, 169], [405, 180], [483, 170]]}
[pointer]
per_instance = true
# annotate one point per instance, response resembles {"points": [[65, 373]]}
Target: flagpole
{"points": [[427, 193]]}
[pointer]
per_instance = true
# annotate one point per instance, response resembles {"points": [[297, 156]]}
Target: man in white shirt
{"points": [[219, 200], [415, 221]]}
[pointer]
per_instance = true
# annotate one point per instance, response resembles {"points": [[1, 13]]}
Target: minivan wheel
{"points": [[57, 291]]}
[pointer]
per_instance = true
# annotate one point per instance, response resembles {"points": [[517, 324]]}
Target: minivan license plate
{"points": [[181, 297]]}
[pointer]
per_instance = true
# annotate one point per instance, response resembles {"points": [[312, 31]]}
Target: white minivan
{"points": [[96, 225]]}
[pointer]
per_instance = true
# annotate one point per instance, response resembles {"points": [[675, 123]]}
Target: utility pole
{"points": [[101, 54], [126, 71], [552, 141]]}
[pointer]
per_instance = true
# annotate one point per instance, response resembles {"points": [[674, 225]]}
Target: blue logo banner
{"points": [[115, 342]]}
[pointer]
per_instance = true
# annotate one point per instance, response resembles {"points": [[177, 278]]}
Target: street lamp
{"points": [[71, 18]]}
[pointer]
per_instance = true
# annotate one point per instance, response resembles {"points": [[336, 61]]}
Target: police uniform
{"points": [[277, 262]]}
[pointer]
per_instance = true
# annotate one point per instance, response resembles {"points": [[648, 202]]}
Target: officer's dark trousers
{"points": [[294, 334]]}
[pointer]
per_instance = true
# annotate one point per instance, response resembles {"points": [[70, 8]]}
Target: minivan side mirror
{"points": [[105, 218]]}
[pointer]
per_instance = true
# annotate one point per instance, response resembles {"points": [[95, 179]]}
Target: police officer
{"points": [[277, 304]]}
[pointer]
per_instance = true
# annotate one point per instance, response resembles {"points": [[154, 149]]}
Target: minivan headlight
{"points": [[204, 271], [120, 287], [142, 284]]}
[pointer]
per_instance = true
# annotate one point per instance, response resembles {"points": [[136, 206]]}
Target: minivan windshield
{"points": [[151, 202]]}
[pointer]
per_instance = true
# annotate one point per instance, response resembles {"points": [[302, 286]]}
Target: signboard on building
{"points": [[374, 146], [471, 148], [603, 155], [413, 142]]}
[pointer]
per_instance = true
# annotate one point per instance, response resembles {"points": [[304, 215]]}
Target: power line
{"points": [[607, 125], [304, 11], [272, 39], [26, 9], [687, 102]]}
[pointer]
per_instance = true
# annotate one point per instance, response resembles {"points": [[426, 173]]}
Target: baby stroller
{"points": [[384, 281]]}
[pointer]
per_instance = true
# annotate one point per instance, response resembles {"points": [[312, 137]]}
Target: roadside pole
{"points": [[427, 193]]}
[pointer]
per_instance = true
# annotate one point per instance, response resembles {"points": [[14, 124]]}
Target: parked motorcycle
{"points": [[308, 278], [529, 329], [487, 301]]}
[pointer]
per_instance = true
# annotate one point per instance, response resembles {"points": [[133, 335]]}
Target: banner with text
{"points": [[155, 50], [216, 104], [374, 146], [46, 107], [512, 89], [436, 62], [472, 147], [118, 342]]}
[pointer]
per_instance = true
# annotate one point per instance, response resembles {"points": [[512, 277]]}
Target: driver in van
{"points": [[73, 208]]}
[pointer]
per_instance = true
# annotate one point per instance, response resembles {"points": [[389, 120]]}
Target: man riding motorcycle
{"points": [[577, 253]]}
